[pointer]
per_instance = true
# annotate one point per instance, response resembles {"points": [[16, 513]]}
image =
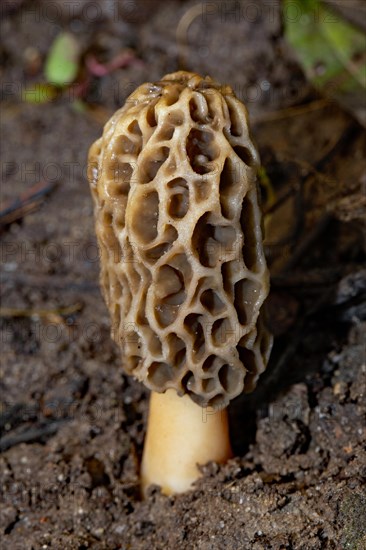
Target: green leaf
{"points": [[266, 184], [79, 106], [39, 93], [331, 51], [62, 63]]}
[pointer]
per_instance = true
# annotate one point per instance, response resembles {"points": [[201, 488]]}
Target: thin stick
{"points": [[55, 315], [31, 199], [291, 111], [31, 435], [182, 32]]}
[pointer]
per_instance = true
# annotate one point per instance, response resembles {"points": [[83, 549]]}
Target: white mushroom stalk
{"points": [[180, 436], [182, 265]]}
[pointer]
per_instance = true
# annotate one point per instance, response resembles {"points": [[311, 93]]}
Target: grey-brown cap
{"points": [[179, 229]]}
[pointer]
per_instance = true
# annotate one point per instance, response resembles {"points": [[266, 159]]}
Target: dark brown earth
{"points": [[72, 423]]}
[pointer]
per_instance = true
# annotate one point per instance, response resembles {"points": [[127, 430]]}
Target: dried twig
{"points": [[56, 282], [297, 110], [31, 435], [53, 315], [30, 200], [182, 32], [308, 279]]}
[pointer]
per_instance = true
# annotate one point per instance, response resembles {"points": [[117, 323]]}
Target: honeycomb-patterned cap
{"points": [[179, 229]]}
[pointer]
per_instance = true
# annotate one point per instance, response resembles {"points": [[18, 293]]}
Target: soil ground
{"points": [[73, 424]]}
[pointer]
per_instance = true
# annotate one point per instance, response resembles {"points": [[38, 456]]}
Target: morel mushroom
{"points": [[182, 266]]}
